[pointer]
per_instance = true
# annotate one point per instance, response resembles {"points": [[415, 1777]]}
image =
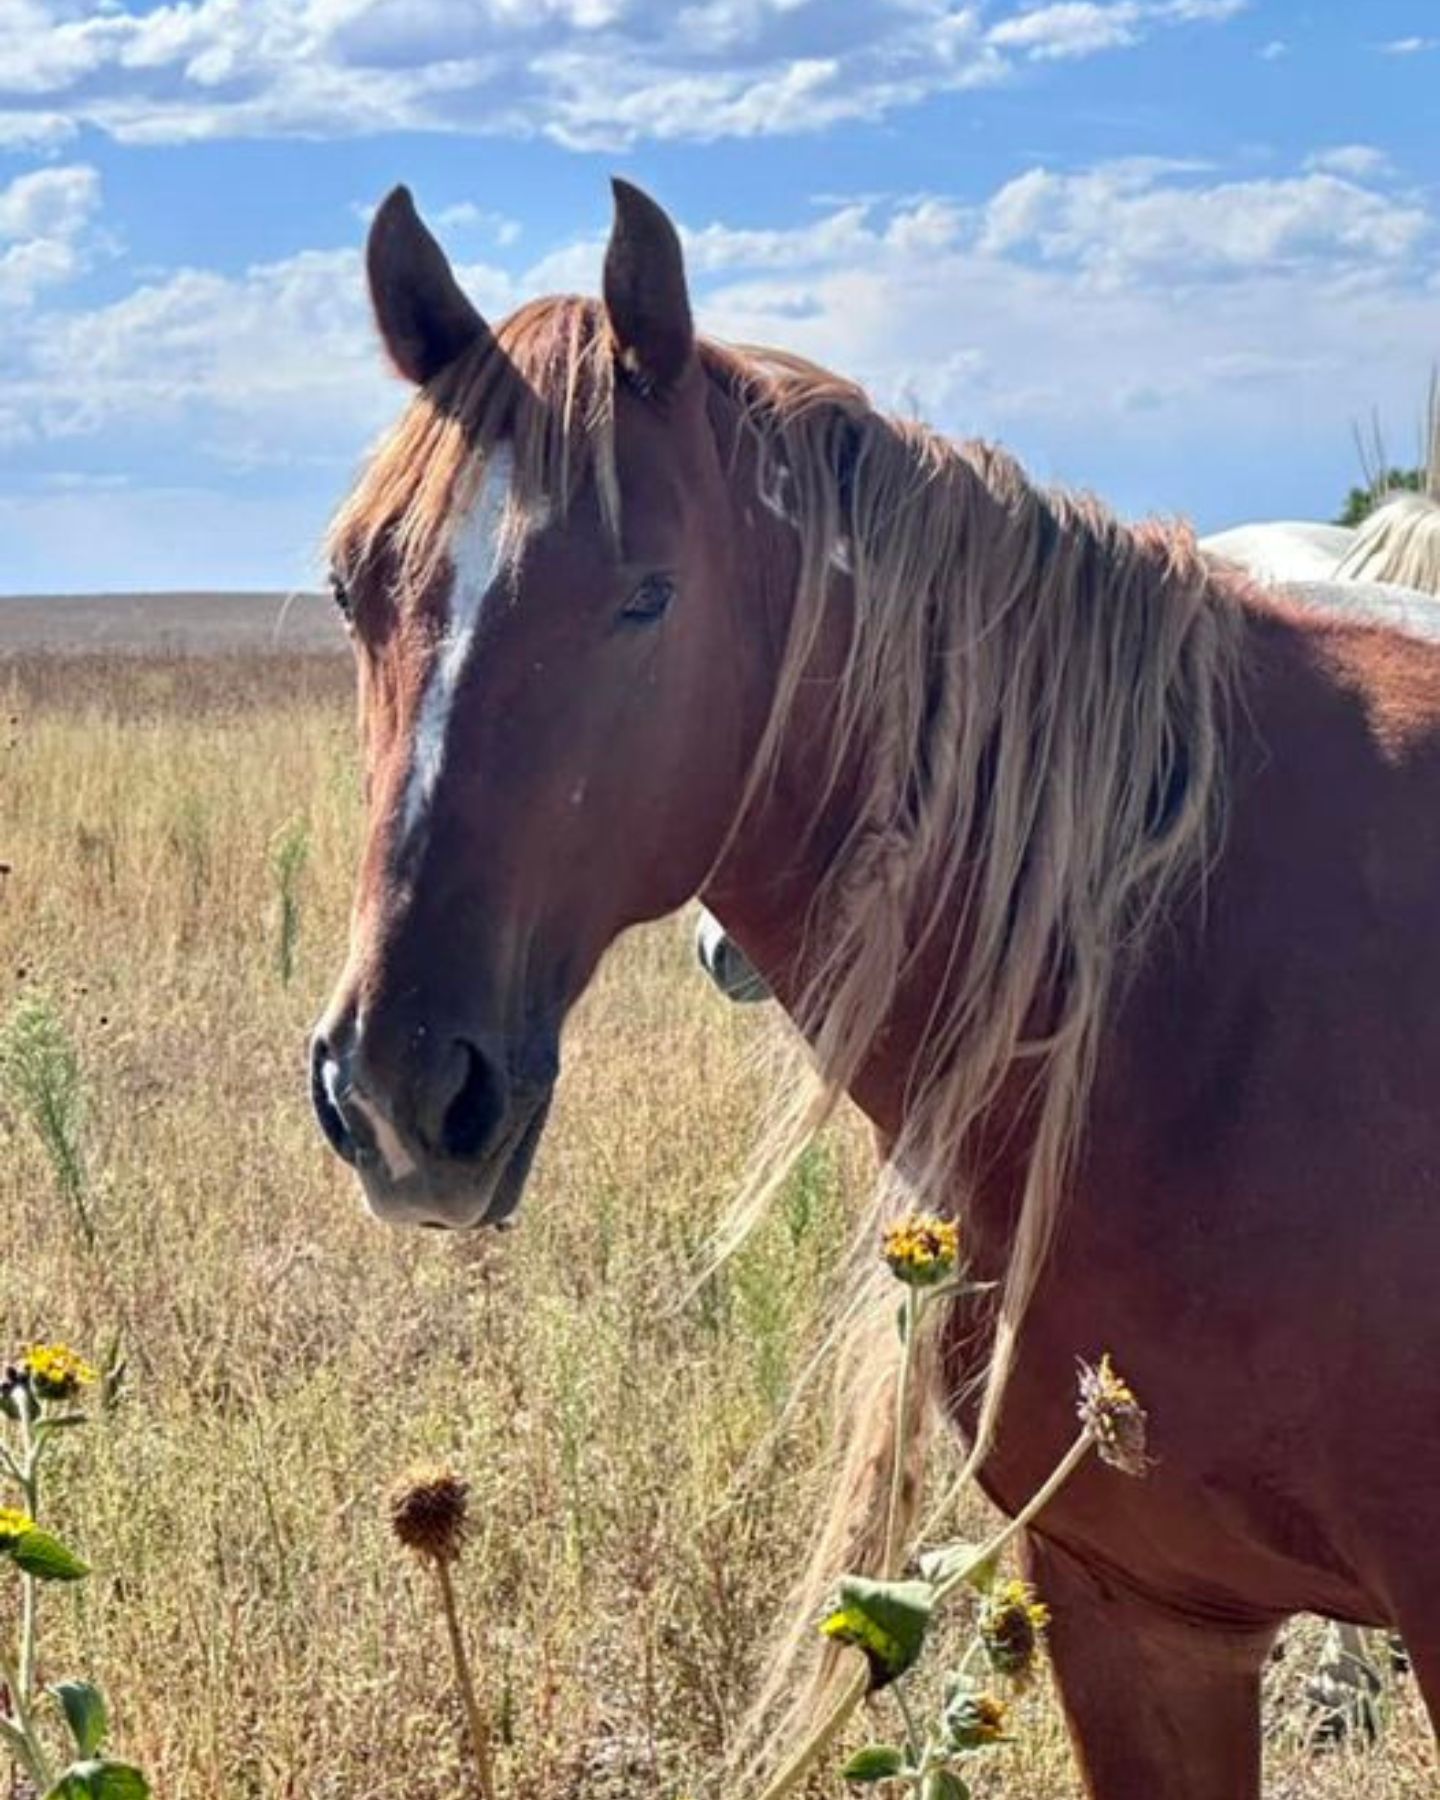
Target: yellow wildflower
{"points": [[1115, 1417], [13, 1526], [921, 1249], [55, 1371], [855, 1629], [1012, 1623]]}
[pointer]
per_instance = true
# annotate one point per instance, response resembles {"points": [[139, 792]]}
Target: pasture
{"points": [[180, 836]]}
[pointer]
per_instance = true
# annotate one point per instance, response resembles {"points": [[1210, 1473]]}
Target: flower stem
{"points": [[911, 1330], [19, 1732], [915, 1745], [474, 1715], [1041, 1498], [30, 1489]]}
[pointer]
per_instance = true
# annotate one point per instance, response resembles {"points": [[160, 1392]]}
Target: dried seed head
{"points": [[1116, 1418], [429, 1513], [974, 1720]]}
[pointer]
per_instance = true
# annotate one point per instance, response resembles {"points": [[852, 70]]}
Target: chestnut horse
{"points": [[1106, 883]]}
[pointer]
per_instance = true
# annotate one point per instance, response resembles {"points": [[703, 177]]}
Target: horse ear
{"points": [[645, 295], [424, 318]]}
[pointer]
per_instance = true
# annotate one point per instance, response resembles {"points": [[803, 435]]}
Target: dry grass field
{"points": [[179, 836]]}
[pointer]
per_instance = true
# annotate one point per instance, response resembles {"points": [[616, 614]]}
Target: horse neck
{"points": [[929, 1001], [764, 888]]}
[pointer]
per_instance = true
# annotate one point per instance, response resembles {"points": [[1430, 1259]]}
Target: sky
{"points": [[1173, 251]]}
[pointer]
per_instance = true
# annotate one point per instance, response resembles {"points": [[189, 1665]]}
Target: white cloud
{"points": [[466, 216], [1410, 46], [1071, 28], [716, 252], [45, 229], [1202, 12], [1143, 327], [278, 361], [1075, 28], [281, 351], [585, 72], [1274, 51], [1361, 161], [34, 130], [49, 203], [1116, 220]]}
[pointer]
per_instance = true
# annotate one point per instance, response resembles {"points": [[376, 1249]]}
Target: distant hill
{"points": [[183, 624]]}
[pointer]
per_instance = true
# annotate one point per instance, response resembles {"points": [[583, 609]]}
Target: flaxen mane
{"points": [[544, 385], [1399, 540], [1040, 695], [1036, 694], [1399, 543]]}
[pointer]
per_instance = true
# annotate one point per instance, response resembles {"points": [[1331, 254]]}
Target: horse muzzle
{"points": [[447, 1140]]}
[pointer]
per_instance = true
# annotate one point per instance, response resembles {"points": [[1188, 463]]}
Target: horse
{"points": [[1386, 569], [1103, 879]]}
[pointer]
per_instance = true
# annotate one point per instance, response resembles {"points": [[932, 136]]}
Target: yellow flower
{"points": [[1114, 1416], [429, 1513], [55, 1372], [13, 1526], [974, 1720], [1012, 1623], [921, 1249]]}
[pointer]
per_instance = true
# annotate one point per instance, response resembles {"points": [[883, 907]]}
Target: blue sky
{"points": [[1170, 250]]}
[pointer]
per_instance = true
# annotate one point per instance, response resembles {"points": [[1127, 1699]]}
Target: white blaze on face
{"points": [[477, 556]]}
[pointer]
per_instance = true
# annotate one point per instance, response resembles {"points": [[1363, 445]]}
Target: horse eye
{"points": [[340, 594], [650, 599]]}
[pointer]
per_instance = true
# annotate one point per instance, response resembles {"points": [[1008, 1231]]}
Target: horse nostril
{"points": [[477, 1106], [332, 1121]]}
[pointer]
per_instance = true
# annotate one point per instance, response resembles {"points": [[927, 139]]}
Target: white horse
{"points": [[1386, 568]]}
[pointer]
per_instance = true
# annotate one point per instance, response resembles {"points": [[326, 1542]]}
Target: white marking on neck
{"points": [[477, 554], [775, 484]]}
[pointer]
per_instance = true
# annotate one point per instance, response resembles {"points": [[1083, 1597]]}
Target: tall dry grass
{"points": [[639, 1488]]}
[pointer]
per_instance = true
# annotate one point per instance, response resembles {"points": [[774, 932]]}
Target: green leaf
{"points": [[944, 1784], [84, 1708], [100, 1780], [943, 1565], [876, 1762], [45, 1557], [886, 1620]]}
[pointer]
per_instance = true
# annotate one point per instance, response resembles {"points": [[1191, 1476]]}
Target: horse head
{"points": [[562, 680]]}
